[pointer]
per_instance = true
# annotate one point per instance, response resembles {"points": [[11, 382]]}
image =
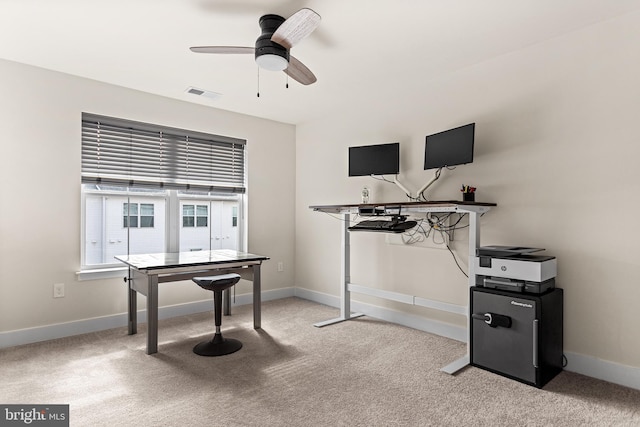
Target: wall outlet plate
{"points": [[58, 290]]}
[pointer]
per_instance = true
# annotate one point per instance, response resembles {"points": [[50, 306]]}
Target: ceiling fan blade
{"points": [[222, 49], [299, 72], [296, 27]]}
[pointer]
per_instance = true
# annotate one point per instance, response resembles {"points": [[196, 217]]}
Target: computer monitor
{"points": [[449, 148], [380, 159]]}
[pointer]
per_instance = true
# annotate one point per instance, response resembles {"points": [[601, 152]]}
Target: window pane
{"points": [[203, 210], [146, 221], [187, 221], [234, 216], [130, 209], [188, 210], [146, 209], [133, 219], [107, 232], [202, 221]]}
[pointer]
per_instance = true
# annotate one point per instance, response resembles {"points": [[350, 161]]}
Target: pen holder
{"points": [[468, 197]]}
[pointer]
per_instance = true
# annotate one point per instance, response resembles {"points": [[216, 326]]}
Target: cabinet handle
{"points": [[493, 319], [535, 343]]}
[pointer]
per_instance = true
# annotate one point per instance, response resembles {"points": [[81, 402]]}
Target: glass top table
{"points": [[147, 270]]}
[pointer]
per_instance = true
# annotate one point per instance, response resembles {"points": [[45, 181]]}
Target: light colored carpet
{"points": [[363, 372]]}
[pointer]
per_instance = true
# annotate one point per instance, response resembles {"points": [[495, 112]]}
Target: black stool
{"points": [[218, 346]]}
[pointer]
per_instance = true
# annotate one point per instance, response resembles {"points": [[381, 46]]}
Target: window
{"points": [[207, 222], [149, 189], [202, 216], [132, 217], [188, 216], [116, 222], [195, 215]]}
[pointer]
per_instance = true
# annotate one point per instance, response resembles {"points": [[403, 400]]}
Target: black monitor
{"points": [[381, 159], [449, 148]]}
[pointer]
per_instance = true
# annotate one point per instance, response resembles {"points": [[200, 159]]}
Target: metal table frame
{"points": [[144, 279], [473, 209]]}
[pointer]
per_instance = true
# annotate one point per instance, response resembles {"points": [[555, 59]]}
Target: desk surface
{"points": [[407, 205], [185, 259]]}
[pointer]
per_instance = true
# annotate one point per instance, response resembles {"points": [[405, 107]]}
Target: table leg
{"points": [[152, 315], [133, 307], [257, 298]]}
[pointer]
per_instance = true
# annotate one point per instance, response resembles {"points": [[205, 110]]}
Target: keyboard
{"points": [[383, 226]]}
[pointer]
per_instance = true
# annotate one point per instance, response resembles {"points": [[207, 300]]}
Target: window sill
{"points": [[102, 273]]}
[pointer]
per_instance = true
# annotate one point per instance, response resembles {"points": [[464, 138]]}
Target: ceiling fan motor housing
{"points": [[269, 24]]}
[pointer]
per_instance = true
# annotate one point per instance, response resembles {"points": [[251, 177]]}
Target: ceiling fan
{"points": [[272, 47]]}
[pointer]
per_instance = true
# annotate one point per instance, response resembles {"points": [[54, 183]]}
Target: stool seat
{"points": [[218, 346], [221, 282]]}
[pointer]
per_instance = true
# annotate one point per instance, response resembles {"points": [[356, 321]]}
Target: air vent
{"points": [[203, 93]]}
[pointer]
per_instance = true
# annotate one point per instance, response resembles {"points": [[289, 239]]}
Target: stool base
{"points": [[218, 346]]}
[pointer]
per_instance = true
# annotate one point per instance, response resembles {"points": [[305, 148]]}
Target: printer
{"points": [[514, 268]]}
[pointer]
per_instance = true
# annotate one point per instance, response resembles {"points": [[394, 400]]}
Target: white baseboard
{"points": [[61, 330], [447, 330], [612, 372], [590, 366]]}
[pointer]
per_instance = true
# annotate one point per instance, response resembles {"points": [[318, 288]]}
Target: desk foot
{"points": [[337, 320], [454, 367]]}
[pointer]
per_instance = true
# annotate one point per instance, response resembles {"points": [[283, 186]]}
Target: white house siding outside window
{"points": [[152, 189]]}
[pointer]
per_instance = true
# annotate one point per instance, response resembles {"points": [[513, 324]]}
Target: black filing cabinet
{"points": [[517, 335]]}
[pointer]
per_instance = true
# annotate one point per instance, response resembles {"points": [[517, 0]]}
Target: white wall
{"points": [[40, 119], [557, 148]]}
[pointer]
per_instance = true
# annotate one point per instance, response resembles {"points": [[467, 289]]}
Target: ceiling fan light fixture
{"points": [[278, 36], [272, 62]]}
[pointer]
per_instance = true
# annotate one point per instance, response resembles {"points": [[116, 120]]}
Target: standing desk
{"points": [[473, 209], [147, 270]]}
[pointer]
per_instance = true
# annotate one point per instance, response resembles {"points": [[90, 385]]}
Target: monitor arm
{"points": [[403, 188], [422, 189]]}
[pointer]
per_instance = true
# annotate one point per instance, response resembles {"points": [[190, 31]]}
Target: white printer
{"points": [[513, 268]]}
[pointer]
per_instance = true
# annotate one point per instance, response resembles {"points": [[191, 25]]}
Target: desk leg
{"points": [[133, 308], [257, 298], [152, 315], [474, 243], [345, 295]]}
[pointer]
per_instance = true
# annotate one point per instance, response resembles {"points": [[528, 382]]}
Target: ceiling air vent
{"points": [[201, 92]]}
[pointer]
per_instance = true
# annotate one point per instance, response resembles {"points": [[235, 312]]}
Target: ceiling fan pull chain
{"points": [[287, 85], [258, 82]]}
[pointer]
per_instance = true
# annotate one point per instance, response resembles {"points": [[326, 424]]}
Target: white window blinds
{"points": [[122, 152]]}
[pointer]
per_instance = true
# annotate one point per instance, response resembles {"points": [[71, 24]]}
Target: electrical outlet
{"points": [[58, 290], [280, 266]]}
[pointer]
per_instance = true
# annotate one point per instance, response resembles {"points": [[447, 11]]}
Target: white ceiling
{"points": [[361, 48]]}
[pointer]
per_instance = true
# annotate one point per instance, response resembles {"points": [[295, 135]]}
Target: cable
{"points": [[339, 219], [382, 178], [438, 223], [423, 230], [415, 235], [455, 259]]}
